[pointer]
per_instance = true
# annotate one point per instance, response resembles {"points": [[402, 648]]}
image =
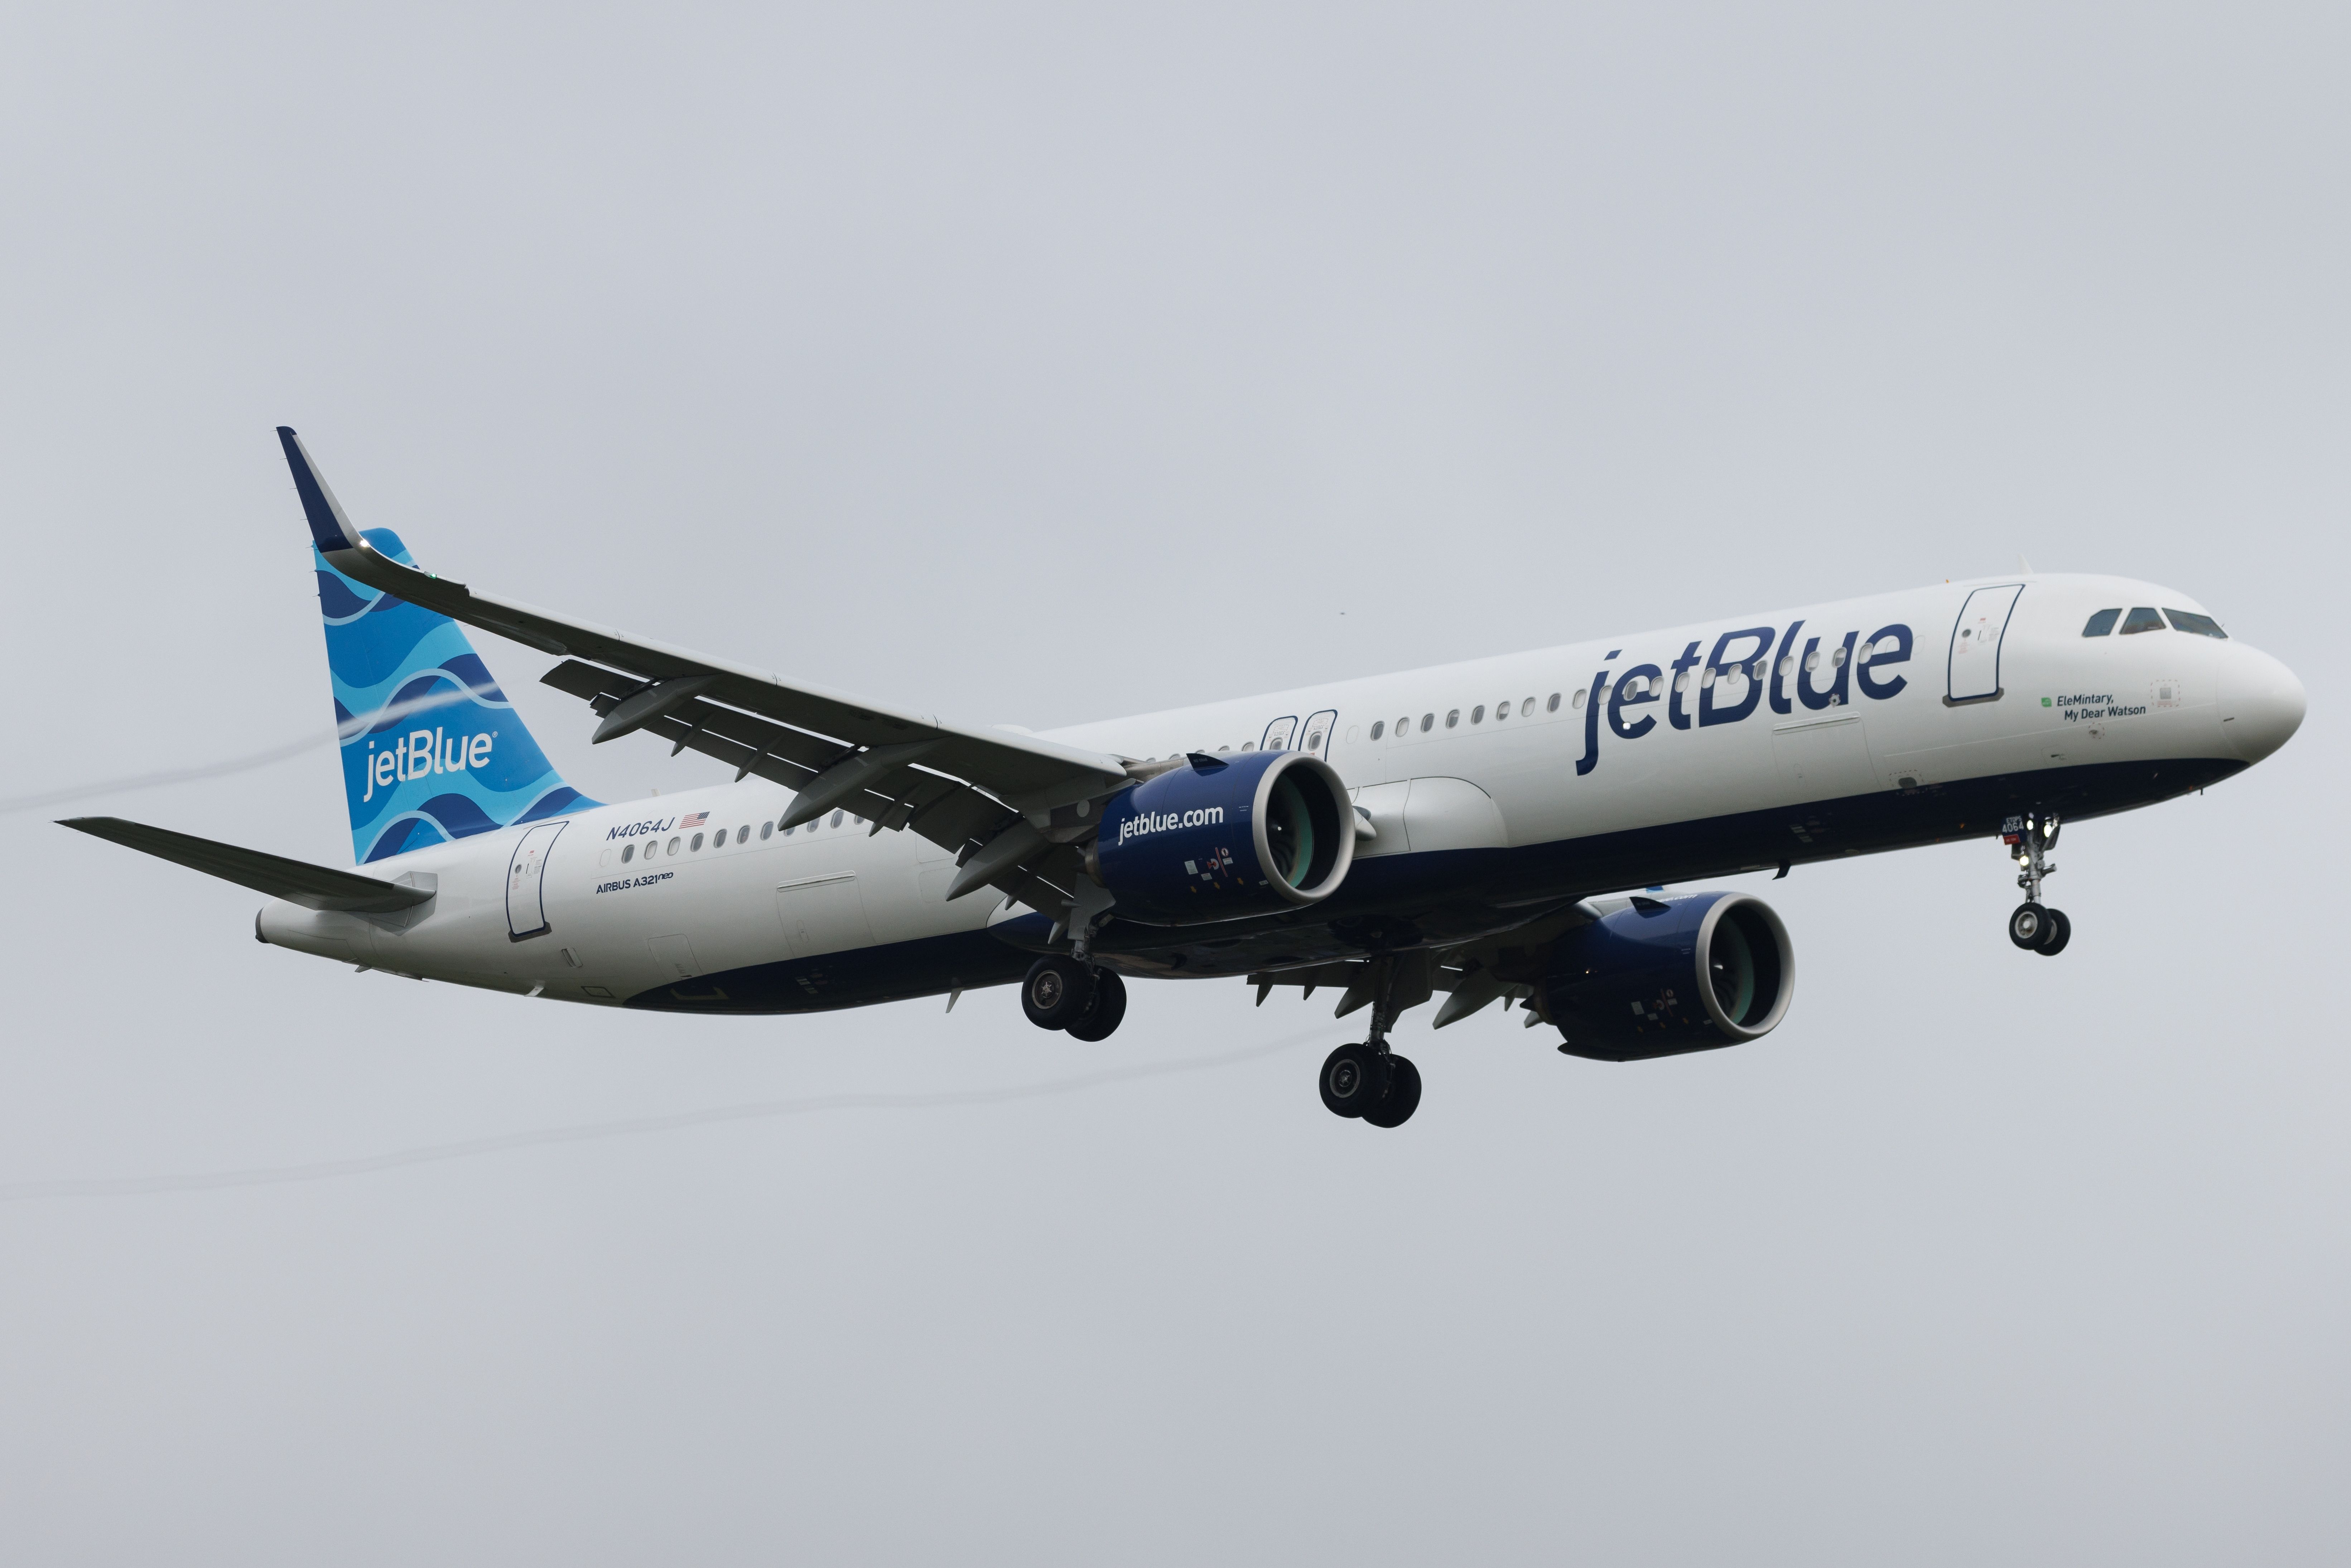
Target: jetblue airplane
{"points": [[1446, 829]]}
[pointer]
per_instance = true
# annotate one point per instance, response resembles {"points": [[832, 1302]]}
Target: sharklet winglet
{"points": [[328, 524]]}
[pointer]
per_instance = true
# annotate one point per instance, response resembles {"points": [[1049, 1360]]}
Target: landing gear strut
{"points": [[2033, 926], [1368, 1081]]}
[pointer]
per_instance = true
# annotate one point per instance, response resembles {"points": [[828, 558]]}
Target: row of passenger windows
{"points": [[1653, 686], [1834, 658], [2141, 620], [2145, 619], [682, 844], [1502, 710]]}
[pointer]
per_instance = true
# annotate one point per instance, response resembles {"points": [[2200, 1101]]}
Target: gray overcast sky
{"points": [[1035, 365]]}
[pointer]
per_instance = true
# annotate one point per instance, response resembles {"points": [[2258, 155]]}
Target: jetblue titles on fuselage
{"points": [[1736, 678]]}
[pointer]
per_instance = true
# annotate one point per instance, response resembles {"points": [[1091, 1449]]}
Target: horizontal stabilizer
{"points": [[296, 882]]}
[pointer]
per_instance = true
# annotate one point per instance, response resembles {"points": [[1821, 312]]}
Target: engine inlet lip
{"points": [[1705, 945], [1342, 807]]}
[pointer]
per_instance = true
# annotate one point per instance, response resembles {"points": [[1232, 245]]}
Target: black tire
{"points": [[1355, 1079], [1057, 992], [1404, 1095], [2028, 925], [2060, 931], [1110, 1006]]}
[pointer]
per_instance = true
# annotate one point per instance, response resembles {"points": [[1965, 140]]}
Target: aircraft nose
{"points": [[2262, 704]]}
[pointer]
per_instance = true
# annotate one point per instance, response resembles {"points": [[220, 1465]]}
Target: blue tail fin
{"points": [[431, 749]]}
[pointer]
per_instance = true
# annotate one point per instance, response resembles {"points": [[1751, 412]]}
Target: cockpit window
{"points": [[2143, 619], [2189, 620], [2102, 623]]}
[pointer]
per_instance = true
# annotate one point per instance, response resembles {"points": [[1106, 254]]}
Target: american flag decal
{"points": [[696, 821]]}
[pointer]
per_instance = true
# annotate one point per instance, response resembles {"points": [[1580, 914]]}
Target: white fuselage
{"points": [[1500, 754]]}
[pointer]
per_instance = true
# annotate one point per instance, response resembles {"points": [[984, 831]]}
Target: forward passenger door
{"points": [[1974, 663]]}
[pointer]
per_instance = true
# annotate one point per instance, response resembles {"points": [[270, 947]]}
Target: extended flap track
{"points": [[889, 792]]}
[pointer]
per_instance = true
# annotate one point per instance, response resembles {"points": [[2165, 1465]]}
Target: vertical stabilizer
{"points": [[431, 749]]}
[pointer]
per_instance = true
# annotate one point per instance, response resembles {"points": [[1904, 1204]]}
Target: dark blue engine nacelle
{"points": [[1671, 975], [1224, 836]]}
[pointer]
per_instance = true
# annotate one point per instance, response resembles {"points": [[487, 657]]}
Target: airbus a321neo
{"points": [[1442, 830]]}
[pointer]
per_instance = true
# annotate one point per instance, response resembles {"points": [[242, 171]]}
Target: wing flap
{"points": [[946, 811]]}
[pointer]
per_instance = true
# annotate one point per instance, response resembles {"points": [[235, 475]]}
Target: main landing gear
{"points": [[1369, 1082], [1064, 994], [2034, 926]]}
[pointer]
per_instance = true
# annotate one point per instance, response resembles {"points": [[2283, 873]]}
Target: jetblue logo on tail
{"points": [[431, 749], [424, 751]]}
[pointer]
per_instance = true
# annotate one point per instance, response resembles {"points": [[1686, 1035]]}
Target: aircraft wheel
{"points": [[1110, 1006], [1404, 1095], [2060, 931], [2029, 925], [1057, 992], [1352, 1078]]}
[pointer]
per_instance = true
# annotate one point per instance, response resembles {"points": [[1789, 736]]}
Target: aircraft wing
{"points": [[962, 788]]}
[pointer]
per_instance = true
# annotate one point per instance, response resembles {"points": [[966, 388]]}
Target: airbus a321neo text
{"points": [[1437, 830]]}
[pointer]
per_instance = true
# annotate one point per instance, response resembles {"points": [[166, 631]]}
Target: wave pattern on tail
{"points": [[431, 749]]}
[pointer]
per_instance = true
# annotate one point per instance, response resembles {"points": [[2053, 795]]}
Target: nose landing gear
{"points": [[2033, 926]]}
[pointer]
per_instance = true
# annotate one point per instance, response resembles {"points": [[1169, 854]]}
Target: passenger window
{"points": [[766, 829], [2102, 623], [1527, 709], [2189, 620], [1579, 696], [837, 816], [1402, 725], [1554, 703], [1249, 746], [698, 841], [2142, 618], [1478, 713], [628, 853], [1452, 717], [672, 846], [1428, 721], [1379, 727]]}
